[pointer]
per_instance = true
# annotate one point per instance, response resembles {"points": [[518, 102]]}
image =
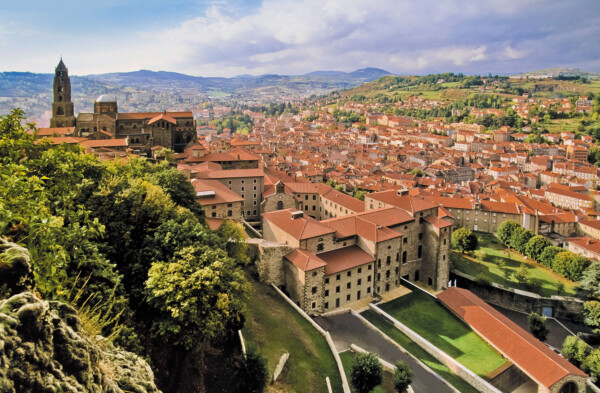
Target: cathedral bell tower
{"points": [[62, 107]]}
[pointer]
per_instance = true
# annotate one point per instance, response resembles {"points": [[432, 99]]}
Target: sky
{"points": [[233, 37]]}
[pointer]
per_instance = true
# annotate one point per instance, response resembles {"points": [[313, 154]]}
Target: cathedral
{"points": [[143, 130]]}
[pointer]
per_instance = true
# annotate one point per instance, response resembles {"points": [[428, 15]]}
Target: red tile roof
{"points": [[532, 356], [405, 202], [300, 228], [344, 259], [305, 260], [222, 194]]}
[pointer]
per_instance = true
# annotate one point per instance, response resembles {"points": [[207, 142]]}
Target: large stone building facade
{"points": [[345, 259], [143, 130]]}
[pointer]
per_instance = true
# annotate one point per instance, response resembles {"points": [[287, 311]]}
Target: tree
{"points": [[253, 373], [590, 280], [576, 266], [519, 239], [547, 256], [463, 240], [535, 246], [522, 275], [197, 294], [366, 372], [505, 231], [576, 351], [591, 313], [537, 326], [403, 377]]}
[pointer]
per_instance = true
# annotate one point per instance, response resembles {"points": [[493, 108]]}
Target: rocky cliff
{"points": [[44, 349]]}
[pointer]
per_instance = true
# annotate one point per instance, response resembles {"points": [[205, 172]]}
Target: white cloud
{"points": [[291, 36]]}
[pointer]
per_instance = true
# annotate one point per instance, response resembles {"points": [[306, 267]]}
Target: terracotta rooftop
{"points": [[405, 202], [222, 194], [162, 116], [300, 228], [344, 259], [305, 260], [532, 356]]}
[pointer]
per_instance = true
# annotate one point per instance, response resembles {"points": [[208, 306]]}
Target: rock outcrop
{"points": [[44, 348]]}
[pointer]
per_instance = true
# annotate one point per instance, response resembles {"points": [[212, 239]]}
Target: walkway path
{"points": [[347, 329]]}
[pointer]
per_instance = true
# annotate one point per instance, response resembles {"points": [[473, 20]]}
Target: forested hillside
{"points": [[125, 243]]}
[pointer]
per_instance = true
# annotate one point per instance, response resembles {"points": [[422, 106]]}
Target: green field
{"points": [[387, 386], [216, 93], [274, 327], [441, 369], [427, 317], [489, 269]]}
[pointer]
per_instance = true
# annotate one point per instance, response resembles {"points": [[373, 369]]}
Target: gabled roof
{"points": [[405, 202], [344, 259], [529, 354], [162, 116], [305, 260], [300, 228]]}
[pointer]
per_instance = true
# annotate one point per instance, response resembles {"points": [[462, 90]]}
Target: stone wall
{"points": [[460, 370], [268, 257], [527, 302]]}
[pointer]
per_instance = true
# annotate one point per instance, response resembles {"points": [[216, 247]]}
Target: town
{"points": [[380, 209]]}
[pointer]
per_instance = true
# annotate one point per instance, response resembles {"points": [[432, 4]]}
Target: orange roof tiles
{"points": [[222, 194], [529, 354], [305, 260], [301, 228], [344, 259]]}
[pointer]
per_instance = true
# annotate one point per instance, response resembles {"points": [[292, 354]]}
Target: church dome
{"points": [[107, 98]]}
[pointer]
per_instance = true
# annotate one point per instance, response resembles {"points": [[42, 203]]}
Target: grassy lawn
{"points": [[426, 316], [490, 270], [441, 369], [387, 386], [274, 327]]}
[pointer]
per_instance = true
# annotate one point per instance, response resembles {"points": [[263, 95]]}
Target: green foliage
{"points": [[417, 172], [403, 377], [198, 295], [519, 239], [576, 351], [366, 372], [234, 235], [537, 326], [569, 265], [254, 373], [536, 246], [546, 258], [237, 123], [505, 231], [463, 239], [590, 280], [359, 194], [591, 313], [522, 275]]}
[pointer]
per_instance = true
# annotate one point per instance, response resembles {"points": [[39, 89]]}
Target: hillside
{"points": [[557, 72]]}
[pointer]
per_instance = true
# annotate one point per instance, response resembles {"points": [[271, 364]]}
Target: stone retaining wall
{"points": [[527, 302], [325, 333], [470, 377]]}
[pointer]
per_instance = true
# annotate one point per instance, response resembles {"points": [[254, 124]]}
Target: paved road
{"points": [[347, 329]]}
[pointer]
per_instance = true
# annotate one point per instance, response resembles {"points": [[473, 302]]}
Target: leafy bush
{"points": [[366, 372], [463, 240]]}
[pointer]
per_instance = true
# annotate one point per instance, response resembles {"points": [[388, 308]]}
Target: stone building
{"points": [[143, 130], [218, 201], [62, 106], [341, 260]]}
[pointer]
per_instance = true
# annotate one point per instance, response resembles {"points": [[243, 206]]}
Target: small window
{"points": [[359, 282], [337, 277], [326, 304], [327, 280], [348, 298], [368, 278], [405, 240], [314, 274], [419, 251], [314, 305], [348, 285], [349, 274], [314, 197], [337, 302], [368, 289], [327, 292], [370, 267], [229, 213], [242, 181], [320, 247], [313, 290], [337, 289], [359, 270]]}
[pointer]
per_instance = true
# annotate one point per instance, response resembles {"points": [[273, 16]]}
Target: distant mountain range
{"points": [[26, 84]]}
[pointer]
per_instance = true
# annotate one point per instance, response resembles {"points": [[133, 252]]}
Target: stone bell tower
{"points": [[62, 107]]}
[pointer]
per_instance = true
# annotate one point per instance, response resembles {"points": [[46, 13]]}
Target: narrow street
{"points": [[347, 329]]}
